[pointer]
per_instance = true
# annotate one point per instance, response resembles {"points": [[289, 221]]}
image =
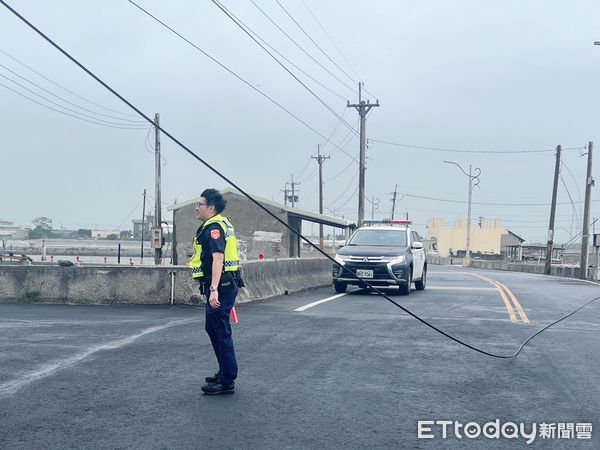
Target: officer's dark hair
{"points": [[214, 198]]}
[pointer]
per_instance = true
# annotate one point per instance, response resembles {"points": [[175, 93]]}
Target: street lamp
{"points": [[471, 186]]}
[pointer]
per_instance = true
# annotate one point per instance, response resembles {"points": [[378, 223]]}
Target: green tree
{"points": [[39, 233], [43, 223], [82, 232]]}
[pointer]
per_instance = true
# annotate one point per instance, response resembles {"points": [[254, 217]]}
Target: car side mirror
{"points": [[417, 245]]}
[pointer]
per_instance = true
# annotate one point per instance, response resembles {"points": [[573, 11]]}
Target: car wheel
{"points": [[420, 285], [340, 287], [405, 288]]}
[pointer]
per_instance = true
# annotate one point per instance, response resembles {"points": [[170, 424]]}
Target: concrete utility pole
{"points": [[320, 160], [472, 177], [395, 195], [363, 109], [143, 221], [292, 190], [285, 194], [585, 236], [157, 201], [374, 206], [550, 244]]}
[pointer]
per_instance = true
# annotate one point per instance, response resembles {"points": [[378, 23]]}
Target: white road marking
{"points": [[458, 288], [449, 273], [433, 288], [318, 302], [11, 387]]}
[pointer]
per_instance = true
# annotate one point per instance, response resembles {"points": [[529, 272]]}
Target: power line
{"points": [[304, 168], [223, 66], [132, 122], [344, 142], [309, 176], [331, 40], [149, 145], [64, 88], [570, 198], [486, 204], [441, 149], [336, 47], [345, 190], [532, 221], [287, 59], [339, 173], [336, 126], [128, 215], [349, 198], [229, 14], [66, 113], [108, 122], [564, 164], [312, 40], [299, 46]]}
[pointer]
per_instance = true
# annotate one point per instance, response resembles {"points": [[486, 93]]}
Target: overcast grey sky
{"points": [[469, 75]]}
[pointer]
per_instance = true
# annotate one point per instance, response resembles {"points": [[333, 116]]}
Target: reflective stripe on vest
{"points": [[231, 263]]}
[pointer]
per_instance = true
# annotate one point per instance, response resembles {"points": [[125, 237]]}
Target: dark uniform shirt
{"points": [[212, 241]]}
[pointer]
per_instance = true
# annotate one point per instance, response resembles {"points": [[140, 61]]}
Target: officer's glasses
{"points": [[199, 204]]}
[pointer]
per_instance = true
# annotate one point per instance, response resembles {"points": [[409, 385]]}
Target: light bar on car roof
{"points": [[387, 222]]}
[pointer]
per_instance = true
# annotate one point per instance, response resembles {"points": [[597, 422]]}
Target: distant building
{"points": [[491, 238], [535, 253], [257, 232], [8, 230], [103, 234], [148, 222], [512, 246]]}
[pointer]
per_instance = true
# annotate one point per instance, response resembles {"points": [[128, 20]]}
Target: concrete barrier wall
{"points": [[561, 271], [439, 260], [151, 285]]}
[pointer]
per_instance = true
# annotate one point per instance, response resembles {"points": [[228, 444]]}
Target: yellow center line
{"points": [[503, 289], [524, 317], [509, 308]]}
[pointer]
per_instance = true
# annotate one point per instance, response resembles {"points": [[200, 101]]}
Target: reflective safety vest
{"points": [[232, 260]]}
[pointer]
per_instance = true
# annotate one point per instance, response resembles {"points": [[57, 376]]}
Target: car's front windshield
{"points": [[383, 238]]}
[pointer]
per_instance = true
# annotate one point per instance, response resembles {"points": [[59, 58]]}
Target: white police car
{"points": [[384, 253]]}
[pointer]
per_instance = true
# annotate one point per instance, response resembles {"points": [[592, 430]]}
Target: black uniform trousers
{"points": [[218, 328]]}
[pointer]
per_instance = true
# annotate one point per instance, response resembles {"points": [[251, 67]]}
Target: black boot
{"points": [[217, 389]]}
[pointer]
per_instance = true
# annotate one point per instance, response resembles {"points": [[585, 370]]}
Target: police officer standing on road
{"points": [[215, 265]]}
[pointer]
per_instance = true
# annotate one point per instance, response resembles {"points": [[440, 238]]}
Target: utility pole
{"points": [[395, 195], [363, 109], [143, 221], [292, 190], [469, 215], [374, 206], [471, 175], [285, 194], [320, 160], [550, 244], [157, 202], [585, 236]]}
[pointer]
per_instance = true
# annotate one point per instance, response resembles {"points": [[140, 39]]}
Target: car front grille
{"points": [[380, 270], [365, 259]]}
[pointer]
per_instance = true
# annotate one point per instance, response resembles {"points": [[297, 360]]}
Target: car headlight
{"points": [[398, 259], [340, 259]]}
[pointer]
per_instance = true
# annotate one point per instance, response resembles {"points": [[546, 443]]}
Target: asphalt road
{"points": [[352, 372]]}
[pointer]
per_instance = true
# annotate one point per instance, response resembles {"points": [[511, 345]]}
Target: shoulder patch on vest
{"points": [[215, 234]]}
